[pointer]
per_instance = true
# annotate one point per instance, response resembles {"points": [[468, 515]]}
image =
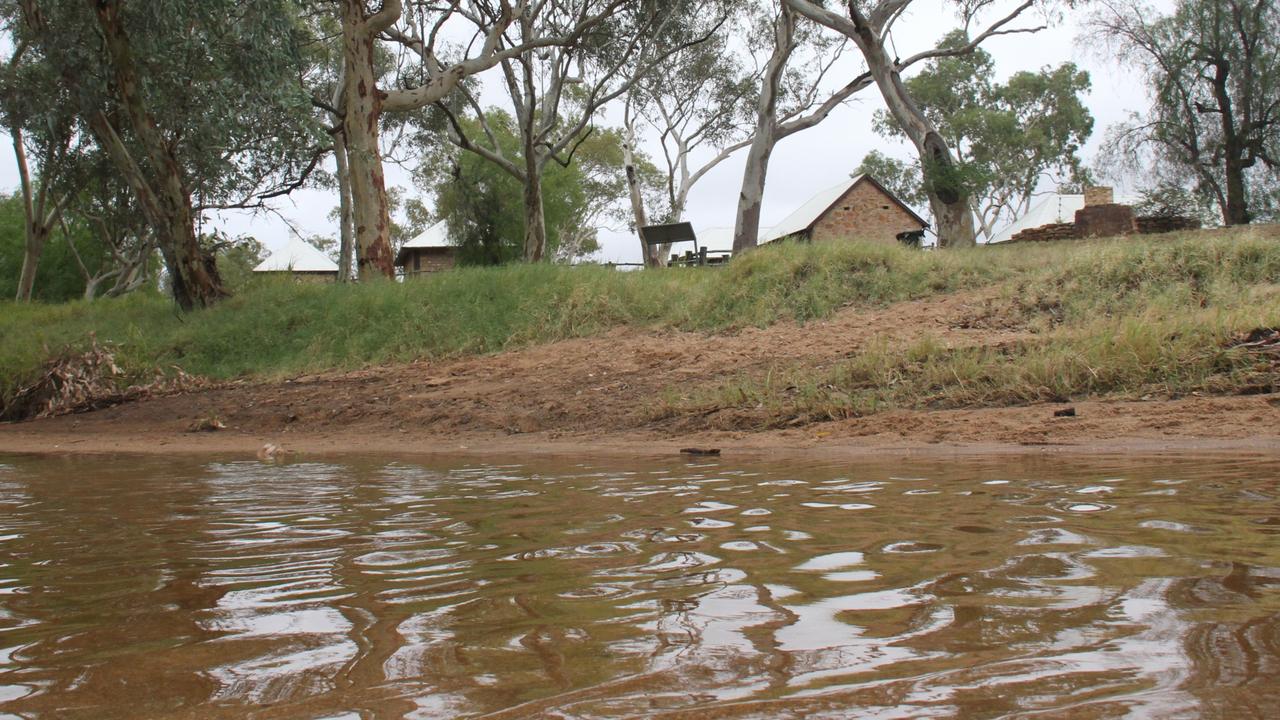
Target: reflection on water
{"points": [[147, 588]]}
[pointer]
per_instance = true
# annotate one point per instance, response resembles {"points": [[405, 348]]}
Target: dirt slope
{"points": [[601, 393]]}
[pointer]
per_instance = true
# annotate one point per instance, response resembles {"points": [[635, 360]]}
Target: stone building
{"points": [[301, 261], [859, 208], [429, 252]]}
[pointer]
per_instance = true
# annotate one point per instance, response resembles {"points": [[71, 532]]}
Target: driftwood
{"points": [[1260, 341], [80, 381]]}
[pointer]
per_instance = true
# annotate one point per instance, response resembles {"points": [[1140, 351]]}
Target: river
{"points": [[138, 587]]}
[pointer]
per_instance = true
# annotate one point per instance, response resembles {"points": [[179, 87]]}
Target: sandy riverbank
{"points": [[597, 396]]}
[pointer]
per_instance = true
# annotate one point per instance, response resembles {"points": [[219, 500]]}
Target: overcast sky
{"points": [[803, 164]]}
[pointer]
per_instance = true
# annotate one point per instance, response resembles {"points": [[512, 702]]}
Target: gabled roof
{"points": [[297, 256], [808, 214], [436, 236], [433, 237], [1052, 209]]}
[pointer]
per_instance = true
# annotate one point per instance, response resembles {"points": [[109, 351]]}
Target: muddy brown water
{"points": [[183, 588]]}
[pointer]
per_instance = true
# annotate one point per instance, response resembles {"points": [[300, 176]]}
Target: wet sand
{"points": [[1230, 426]]}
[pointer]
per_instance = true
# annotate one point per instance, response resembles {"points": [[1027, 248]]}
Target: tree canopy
{"points": [[478, 198], [198, 105], [133, 122], [1212, 70], [1010, 139]]}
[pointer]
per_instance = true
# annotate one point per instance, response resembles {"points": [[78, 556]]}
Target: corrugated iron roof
{"points": [[807, 214], [436, 236], [297, 256], [433, 238], [1054, 208]]}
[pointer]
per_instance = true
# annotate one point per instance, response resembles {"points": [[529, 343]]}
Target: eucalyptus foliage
{"points": [[1010, 139], [199, 105], [219, 77], [475, 196], [1212, 70]]}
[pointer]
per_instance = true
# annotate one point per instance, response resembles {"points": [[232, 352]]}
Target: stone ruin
{"points": [[1101, 216]]}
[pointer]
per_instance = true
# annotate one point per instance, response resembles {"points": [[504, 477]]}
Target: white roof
{"points": [[436, 236], [1053, 208], [716, 239], [808, 214], [297, 256]]}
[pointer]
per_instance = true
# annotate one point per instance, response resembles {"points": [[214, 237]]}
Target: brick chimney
{"points": [[1098, 195], [1101, 217]]}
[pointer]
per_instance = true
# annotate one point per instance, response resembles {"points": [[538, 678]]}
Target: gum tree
{"points": [[47, 146], [698, 103], [1008, 138], [421, 28], [198, 106], [555, 94], [474, 195], [1212, 68], [790, 98], [870, 24]]}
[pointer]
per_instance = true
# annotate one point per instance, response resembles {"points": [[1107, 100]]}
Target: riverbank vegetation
{"points": [[136, 155], [1121, 319], [1128, 316]]}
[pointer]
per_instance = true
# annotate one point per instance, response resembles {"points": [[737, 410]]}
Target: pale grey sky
{"points": [[803, 164]]}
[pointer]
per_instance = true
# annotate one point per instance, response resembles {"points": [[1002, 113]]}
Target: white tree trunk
{"points": [[746, 229], [371, 216], [346, 238], [653, 256], [948, 199]]}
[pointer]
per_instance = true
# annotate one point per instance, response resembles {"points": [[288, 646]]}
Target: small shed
{"points": [[859, 208], [300, 260], [429, 252]]}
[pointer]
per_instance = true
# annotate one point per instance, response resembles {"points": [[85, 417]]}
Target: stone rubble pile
{"points": [[1102, 217]]}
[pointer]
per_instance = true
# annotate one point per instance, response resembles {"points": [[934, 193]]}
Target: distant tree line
{"points": [[134, 122]]}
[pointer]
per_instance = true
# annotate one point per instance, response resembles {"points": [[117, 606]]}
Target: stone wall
{"points": [[1103, 217], [864, 213], [428, 260], [1149, 225], [1109, 220], [1044, 233], [1153, 224]]}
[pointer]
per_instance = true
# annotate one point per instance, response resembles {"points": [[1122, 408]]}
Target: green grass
{"points": [[1130, 357], [1121, 319], [1160, 295]]}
